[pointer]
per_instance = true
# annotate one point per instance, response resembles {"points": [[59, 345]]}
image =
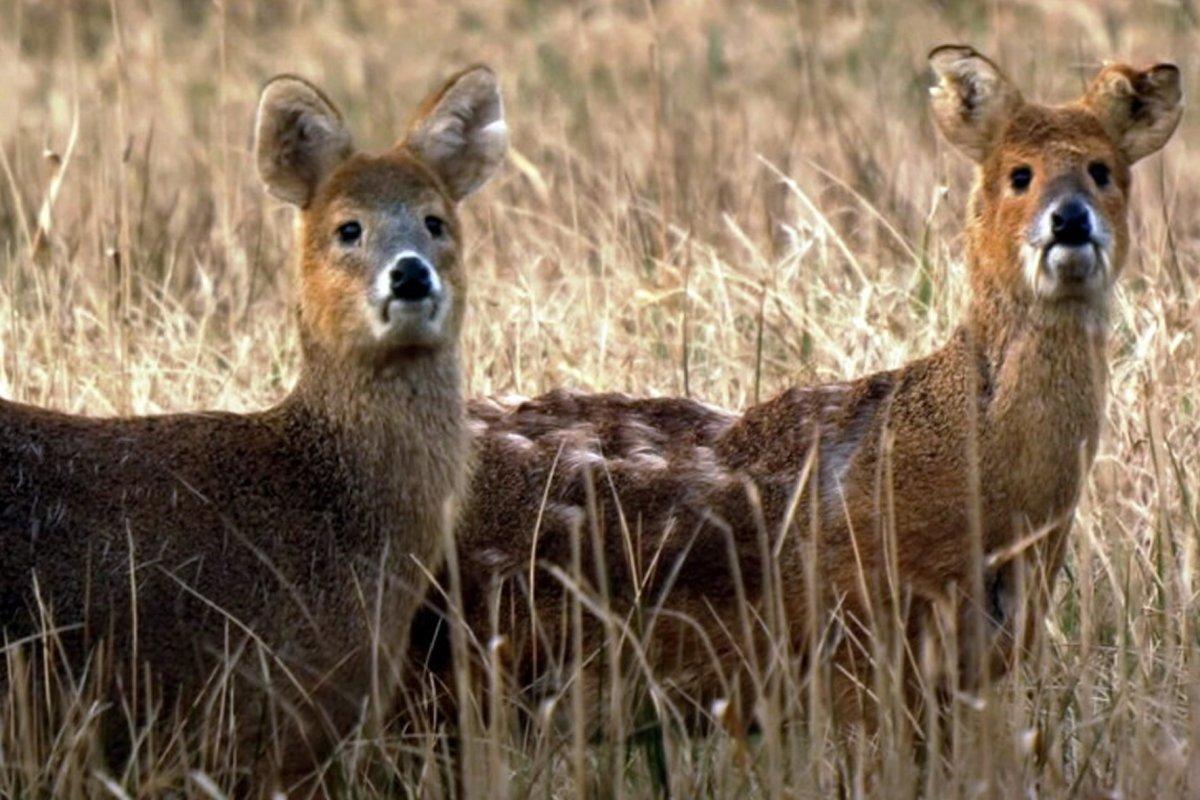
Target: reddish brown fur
{"points": [[1021, 382], [305, 523]]}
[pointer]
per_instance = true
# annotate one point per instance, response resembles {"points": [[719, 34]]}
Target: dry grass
{"points": [[642, 239]]}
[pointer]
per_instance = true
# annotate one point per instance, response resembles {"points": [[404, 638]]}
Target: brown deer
{"points": [[269, 545], [700, 534]]}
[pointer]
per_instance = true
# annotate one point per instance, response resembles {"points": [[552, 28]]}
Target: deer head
{"points": [[1048, 215], [380, 262]]}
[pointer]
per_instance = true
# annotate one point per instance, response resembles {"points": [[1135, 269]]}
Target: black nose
{"points": [[412, 279], [1071, 223]]}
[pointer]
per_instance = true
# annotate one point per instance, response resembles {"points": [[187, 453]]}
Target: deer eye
{"points": [[1100, 173], [349, 233], [1020, 178], [435, 225]]}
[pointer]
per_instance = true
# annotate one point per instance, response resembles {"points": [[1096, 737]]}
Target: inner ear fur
{"points": [[1139, 109], [300, 137], [972, 99]]}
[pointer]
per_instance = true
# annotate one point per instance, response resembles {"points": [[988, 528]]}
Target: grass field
{"points": [[719, 199]]}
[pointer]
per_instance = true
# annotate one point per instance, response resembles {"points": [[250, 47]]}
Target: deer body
{"points": [[994, 430], [248, 523], [271, 544]]}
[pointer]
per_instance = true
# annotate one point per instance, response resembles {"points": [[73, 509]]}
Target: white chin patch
{"points": [[404, 322], [1060, 272], [1073, 265]]}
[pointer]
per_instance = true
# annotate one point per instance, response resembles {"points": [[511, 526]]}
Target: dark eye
{"points": [[1020, 178], [1099, 172], [349, 232], [435, 225]]}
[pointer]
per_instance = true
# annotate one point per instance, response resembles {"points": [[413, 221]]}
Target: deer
{"points": [[690, 539], [270, 545]]}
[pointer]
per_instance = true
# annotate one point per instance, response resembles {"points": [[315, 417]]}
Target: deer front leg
{"points": [[1017, 592]]}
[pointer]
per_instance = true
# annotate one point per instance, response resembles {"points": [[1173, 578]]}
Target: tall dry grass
{"points": [[704, 198]]}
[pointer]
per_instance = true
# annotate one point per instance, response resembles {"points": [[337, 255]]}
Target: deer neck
{"points": [[1042, 380], [396, 429], [1025, 343]]}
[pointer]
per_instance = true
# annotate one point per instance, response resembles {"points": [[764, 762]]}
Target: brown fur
{"points": [[673, 483], [298, 527]]}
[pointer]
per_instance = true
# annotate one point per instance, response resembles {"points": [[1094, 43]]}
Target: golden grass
{"points": [[719, 199]]}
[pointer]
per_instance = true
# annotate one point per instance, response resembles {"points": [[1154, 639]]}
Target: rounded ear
{"points": [[299, 138], [972, 99], [1138, 108], [459, 131]]}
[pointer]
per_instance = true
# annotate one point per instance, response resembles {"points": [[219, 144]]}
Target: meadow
{"points": [[712, 199]]}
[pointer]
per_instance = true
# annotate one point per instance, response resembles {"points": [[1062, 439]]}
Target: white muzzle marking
{"points": [[1057, 271], [408, 321]]}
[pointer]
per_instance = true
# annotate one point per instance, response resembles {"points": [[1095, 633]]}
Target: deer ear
{"points": [[299, 138], [460, 132], [972, 99], [1138, 108]]}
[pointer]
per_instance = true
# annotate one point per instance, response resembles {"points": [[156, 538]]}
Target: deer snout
{"points": [[1071, 223], [1068, 249], [412, 279], [409, 302], [1073, 257]]}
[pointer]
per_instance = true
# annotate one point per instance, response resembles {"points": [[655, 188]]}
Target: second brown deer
{"points": [[700, 538]]}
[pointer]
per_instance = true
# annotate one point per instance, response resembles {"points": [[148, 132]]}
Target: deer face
{"points": [[1048, 215], [381, 256], [380, 271], [1058, 187]]}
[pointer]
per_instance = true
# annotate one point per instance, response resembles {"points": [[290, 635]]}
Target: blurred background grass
{"points": [[719, 199]]}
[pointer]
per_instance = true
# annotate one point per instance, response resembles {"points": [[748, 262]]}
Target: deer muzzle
{"points": [[1067, 253]]}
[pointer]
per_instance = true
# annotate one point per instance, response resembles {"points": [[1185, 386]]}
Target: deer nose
{"points": [[412, 279], [1071, 223]]}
